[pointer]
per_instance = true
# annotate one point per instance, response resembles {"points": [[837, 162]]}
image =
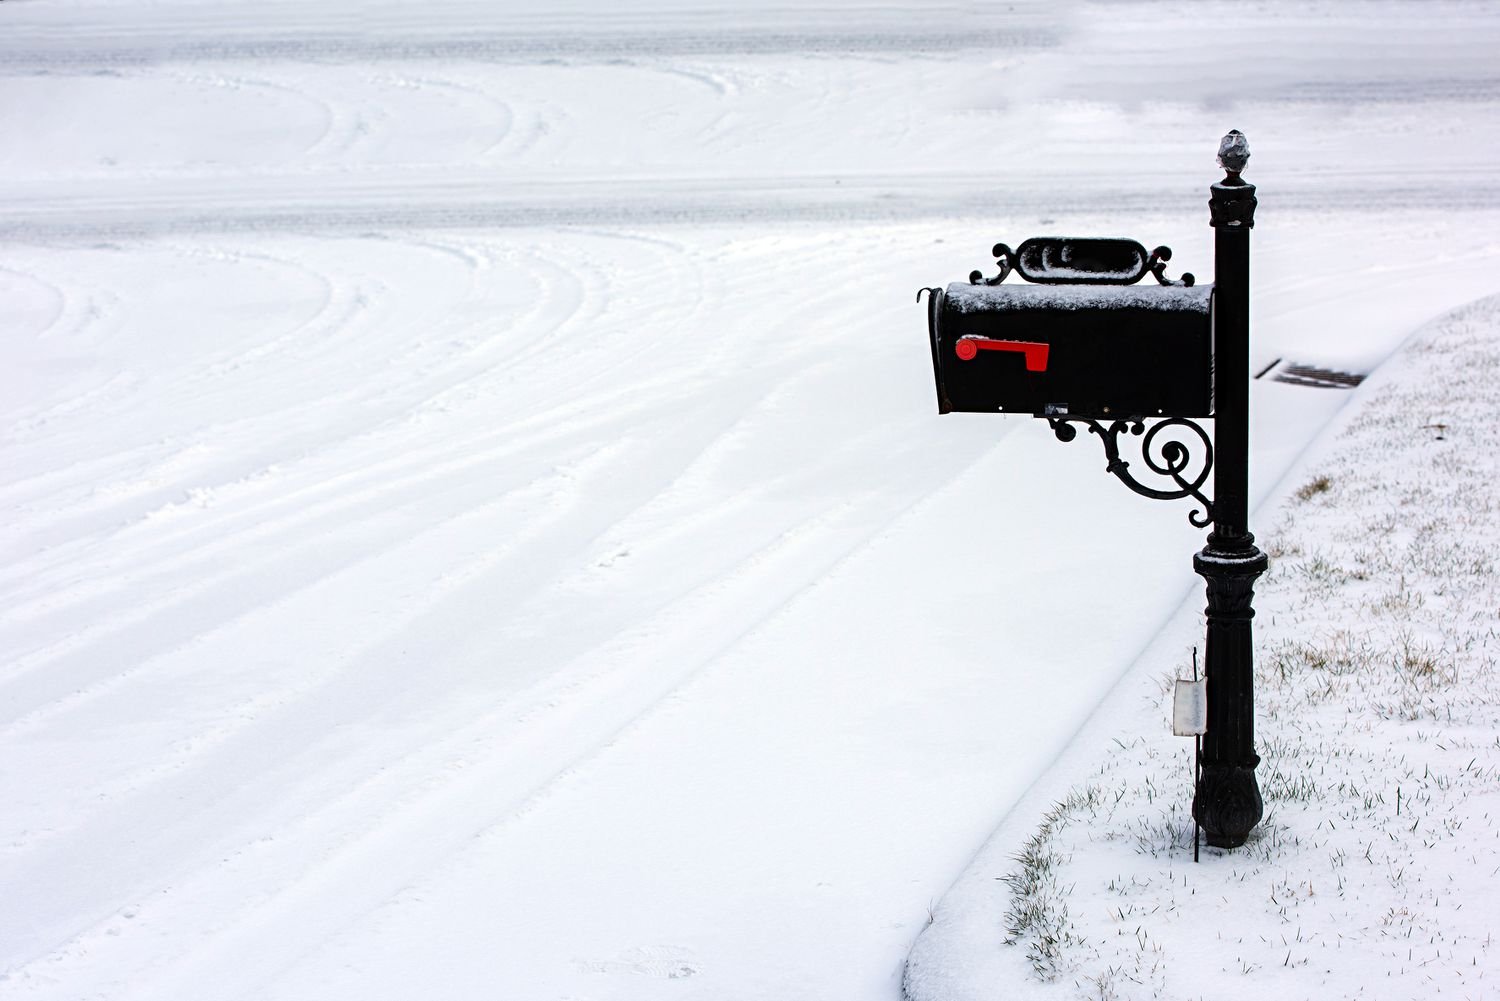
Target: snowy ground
{"points": [[475, 521], [1376, 870]]}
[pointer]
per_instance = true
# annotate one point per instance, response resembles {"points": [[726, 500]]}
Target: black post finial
{"points": [[1233, 202], [1234, 154]]}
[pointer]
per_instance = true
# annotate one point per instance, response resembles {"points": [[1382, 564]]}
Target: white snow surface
{"points": [[967, 298], [475, 521]]}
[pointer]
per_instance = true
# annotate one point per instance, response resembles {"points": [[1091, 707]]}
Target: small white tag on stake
{"points": [[1190, 708]]}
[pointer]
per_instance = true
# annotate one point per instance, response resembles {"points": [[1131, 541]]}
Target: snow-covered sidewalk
{"points": [[1376, 871]]}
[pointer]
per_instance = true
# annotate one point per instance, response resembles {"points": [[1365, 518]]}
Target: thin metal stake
{"points": [[1197, 769]]}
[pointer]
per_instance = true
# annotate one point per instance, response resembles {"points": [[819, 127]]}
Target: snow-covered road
{"points": [[474, 518]]}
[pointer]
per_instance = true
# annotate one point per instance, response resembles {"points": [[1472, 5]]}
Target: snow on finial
{"points": [[1234, 152]]}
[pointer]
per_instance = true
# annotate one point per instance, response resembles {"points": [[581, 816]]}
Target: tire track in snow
{"points": [[493, 786], [38, 286], [368, 556], [75, 669], [198, 593], [50, 587], [86, 317], [55, 518], [786, 558], [143, 619], [727, 351], [333, 311], [309, 355], [815, 532], [245, 82], [720, 82], [499, 130], [98, 483], [557, 303], [202, 543], [317, 511], [293, 720], [376, 116], [33, 494], [560, 710]]}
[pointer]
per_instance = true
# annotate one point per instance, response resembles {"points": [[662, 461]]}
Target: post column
{"points": [[1227, 801]]}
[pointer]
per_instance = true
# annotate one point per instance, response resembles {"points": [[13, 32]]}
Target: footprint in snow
{"points": [[664, 962]]}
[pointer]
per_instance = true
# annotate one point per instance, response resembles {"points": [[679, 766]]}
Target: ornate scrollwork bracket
{"points": [[1157, 268], [1172, 458], [1005, 258]]}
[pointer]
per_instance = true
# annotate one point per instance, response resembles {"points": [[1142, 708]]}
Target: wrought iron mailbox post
{"points": [[1084, 344]]}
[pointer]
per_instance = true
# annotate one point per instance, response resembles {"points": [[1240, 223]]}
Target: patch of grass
{"points": [[1320, 574], [1310, 489], [1401, 602], [1038, 912], [1298, 787]]}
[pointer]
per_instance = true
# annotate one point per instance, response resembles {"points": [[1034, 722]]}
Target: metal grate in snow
{"points": [[1310, 375]]}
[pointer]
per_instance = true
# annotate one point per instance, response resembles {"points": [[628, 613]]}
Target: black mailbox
{"points": [[1083, 341]]}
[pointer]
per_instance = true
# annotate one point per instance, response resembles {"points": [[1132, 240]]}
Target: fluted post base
{"points": [[1227, 802]]}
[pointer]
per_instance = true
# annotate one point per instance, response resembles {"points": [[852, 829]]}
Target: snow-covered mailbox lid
{"points": [[1083, 340]]}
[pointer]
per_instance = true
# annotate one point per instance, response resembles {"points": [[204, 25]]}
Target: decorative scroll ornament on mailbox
{"points": [[1082, 343]]}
